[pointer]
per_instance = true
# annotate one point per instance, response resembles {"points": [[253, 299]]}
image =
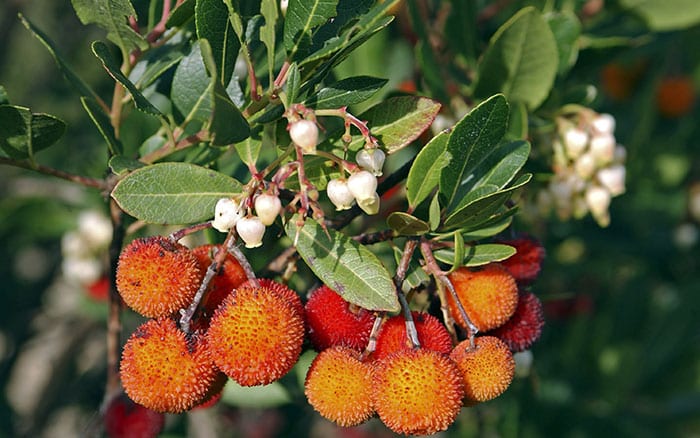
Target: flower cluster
{"points": [[588, 167]]}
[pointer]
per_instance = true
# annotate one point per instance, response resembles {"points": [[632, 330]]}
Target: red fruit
{"points": [[489, 296], [675, 96], [228, 276], [156, 277], [525, 264], [487, 369], [255, 335], [338, 386], [525, 326], [417, 392], [165, 370], [126, 419], [392, 337], [334, 321], [99, 290]]}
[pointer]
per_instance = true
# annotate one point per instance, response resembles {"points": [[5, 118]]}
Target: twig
{"points": [[82, 180], [114, 326], [401, 270]]}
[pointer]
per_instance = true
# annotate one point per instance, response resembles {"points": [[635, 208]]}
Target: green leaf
{"points": [[182, 14], [212, 22], [665, 15], [81, 86], [498, 167], [4, 98], [249, 150], [566, 29], [190, 84], [259, 397], [293, 84], [471, 140], [517, 122], [23, 133], [173, 193], [407, 225], [156, 62], [110, 64], [415, 277], [268, 9], [227, 122], [431, 70], [521, 60], [112, 15], [344, 265], [302, 17], [397, 121], [477, 255], [103, 124], [425, 172], [434, 212], [461, 28], [120, 165], [495, 224], [458, 252], [480, 208], [346, 92]]}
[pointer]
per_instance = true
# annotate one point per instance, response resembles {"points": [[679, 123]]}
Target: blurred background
{"points": [[620, 352]]}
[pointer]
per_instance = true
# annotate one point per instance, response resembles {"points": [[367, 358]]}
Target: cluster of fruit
{"points": [[588, 167], [253, 330]]}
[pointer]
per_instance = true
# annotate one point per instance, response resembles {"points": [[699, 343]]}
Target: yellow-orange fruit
{"points": [[392, 337], [489, 296], [164, 370], [228, 276], [417, 392], [338, 386], [156, 277], [255, 335], [487, 369]]}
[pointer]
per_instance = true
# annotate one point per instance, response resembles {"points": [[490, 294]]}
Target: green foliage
{"points": [[23, 133]]}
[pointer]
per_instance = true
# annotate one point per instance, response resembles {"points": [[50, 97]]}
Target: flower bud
{"points": [[226, 214], [304, 133], [339, 194], [613, 179], [251, 230], [585, 165], [371, 160], [370, 205], [267, 208], [95, 228], [576, 141], [283, 7], [598, 200], [362, 185], [603, 148], [604, 124]]}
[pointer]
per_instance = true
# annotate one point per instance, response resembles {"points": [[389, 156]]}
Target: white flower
{"points": [[613, 179], [267, 208], [95, 228], [226, 214], [81, 270], [304, 133], [604, 123], [362, 185], [251, 230], [339, 194], [602, 148], [585, 165], [598, 200], [370, 205], [371, 160], [576, 141]]}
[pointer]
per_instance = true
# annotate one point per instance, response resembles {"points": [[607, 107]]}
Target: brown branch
{"points": [[82, 180]]}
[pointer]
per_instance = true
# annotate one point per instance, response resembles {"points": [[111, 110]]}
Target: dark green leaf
{"points": [[293, 84], [471, 140], [406, 225], [434, 212], [173, 193], [397, 121], [227, 122], [81, 87], [212, 21], [459, 250], [23, 133], [431, 70], [249, 150], [521, 60], [4, 98], [665, 15], [461, 28], [120, 164], [112, 16], [344, 265], [182, 14], [268, 8], [425, 172], [494, 224], [498, 167], [517, 122], [103, 124], [110, 64], [566, 29], [302, 17], [190, 84], [477, 255], [156, 62], [346, 92]]}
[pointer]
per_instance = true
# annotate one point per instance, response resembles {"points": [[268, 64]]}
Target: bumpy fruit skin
{"points": [[333, 321], [417, 392], [525, 326], [489, 296], [157, 277], [164, 370], [126, 419], [255, 336], [392, 337], [338, 386], [487, 369], [228, 276], [526, 263], [288, 295]]}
